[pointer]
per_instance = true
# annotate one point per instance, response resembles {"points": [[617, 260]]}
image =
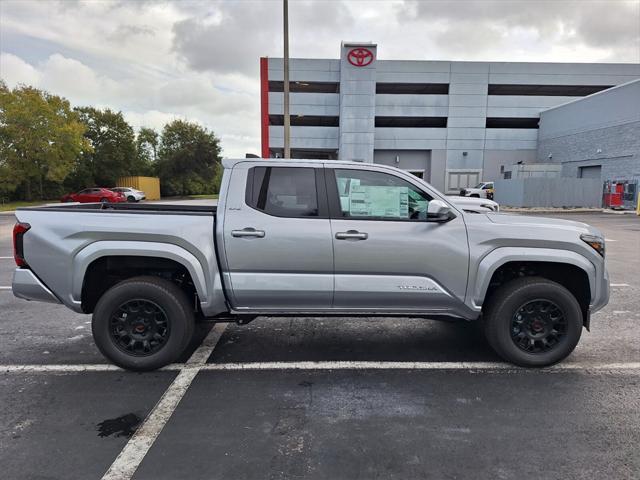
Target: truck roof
{"points": [[230, 162]]}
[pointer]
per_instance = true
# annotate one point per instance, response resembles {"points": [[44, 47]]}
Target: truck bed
{"points": [[63, 242], [147, 208]]}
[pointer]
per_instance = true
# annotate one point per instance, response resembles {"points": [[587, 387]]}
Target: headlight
{"points": [[597, 243]]}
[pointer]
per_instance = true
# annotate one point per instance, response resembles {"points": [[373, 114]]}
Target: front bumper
{"points": [[603, 292], [28, 287]]}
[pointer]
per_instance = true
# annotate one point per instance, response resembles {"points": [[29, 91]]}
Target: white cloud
{"points": [[76, 81], [151, 119], [14, 70]]}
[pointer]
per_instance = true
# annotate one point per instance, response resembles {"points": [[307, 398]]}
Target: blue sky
{"points": [[160, 60]]}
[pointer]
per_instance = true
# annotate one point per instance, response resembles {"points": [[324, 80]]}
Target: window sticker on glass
{"points": [[379, 201], [377, 195]]}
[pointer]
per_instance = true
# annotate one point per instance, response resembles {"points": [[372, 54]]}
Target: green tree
{"points": [[114, 152], [147, 142], [188, 157], [41, 138]]}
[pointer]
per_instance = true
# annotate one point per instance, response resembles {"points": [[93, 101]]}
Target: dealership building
{"points": [[452, 123]]}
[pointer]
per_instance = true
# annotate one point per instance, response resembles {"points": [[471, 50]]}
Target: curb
{"points": [[618, 212], [550, 210]]}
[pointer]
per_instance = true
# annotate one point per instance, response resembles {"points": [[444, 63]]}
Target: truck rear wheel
{"points": [[533, 322], [143, 323]]}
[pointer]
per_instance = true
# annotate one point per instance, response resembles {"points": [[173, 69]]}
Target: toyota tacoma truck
{"points": [[482, 190], [311, 238]]}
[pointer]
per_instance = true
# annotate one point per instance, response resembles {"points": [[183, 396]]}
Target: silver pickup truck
{"points": [[312, 238]]}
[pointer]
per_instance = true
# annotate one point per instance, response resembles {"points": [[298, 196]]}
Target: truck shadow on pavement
{"points": [[352, 339]]}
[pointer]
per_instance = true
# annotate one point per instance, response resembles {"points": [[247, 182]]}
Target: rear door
{"points": [[387, 256], [277, 237]]}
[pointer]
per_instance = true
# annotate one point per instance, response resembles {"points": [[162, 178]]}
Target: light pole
{"points": [[287, 118]]}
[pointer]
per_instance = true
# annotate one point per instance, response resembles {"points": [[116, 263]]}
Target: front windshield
{"points": [[480, 185]]}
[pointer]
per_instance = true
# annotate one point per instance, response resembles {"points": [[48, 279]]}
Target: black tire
{"points": [[131, 198], [166, 301], [508, 324], [104, 200]]}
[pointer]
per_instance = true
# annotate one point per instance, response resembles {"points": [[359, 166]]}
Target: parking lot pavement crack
{"points": [[131, 456]]}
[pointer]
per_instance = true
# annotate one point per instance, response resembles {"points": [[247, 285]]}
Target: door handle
{"points": [[248, 232], [352, 235]]}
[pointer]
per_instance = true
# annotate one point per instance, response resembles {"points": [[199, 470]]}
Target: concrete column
{"points": [[466, 123], [357, 100]]}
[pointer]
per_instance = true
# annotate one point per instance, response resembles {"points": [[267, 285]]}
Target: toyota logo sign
{"points": [[360, 57]]}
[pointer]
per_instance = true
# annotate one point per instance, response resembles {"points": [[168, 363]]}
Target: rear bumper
{"points": [[27, 286]]}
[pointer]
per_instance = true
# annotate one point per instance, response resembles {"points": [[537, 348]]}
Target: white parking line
{"points": [[126, 464], [6, 258], [5, 288], [340, 365], [619, 284], [610, 240], [57, 368], [325, 365]]}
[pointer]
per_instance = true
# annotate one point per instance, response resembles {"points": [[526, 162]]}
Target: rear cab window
{"points": [[290, 192]]}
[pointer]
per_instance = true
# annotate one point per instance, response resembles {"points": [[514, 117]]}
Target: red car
{"points": [[92, 195]]}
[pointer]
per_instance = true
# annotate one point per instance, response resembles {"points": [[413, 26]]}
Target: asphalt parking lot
{"points": [[339, 398]]}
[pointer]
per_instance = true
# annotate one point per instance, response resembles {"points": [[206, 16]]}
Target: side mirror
{"points": [[438, 211]]}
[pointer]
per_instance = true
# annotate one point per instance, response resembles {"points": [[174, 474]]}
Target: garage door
{"points": [[593, 171]]}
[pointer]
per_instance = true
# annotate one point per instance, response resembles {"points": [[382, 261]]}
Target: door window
{"points": [[372, 195], [283, 191]]}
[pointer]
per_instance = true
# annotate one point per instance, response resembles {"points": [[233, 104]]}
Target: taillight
{"points": [[18, 249]]}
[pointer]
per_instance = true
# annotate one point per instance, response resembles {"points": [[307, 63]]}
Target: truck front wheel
{"points": [[143, 323], [533, 322]]}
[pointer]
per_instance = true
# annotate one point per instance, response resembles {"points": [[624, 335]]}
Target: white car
{"points": [[482, 190], [474, 205], [131, 194]]}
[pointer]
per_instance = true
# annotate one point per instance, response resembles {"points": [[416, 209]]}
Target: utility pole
{"points": [[287, 118]]}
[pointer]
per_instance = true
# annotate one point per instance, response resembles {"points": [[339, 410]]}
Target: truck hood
{"points": [[545, 222]]}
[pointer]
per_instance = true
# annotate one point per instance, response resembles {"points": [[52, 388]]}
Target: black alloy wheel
{"points": [[143, 323], [140, 327], [532, 321], [538, 326]]}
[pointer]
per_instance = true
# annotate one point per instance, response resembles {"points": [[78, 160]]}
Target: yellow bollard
{"points": [[638, 209]]}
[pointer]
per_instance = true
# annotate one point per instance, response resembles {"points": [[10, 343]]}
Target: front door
{"points": [[387, 256], [277, 238]]}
